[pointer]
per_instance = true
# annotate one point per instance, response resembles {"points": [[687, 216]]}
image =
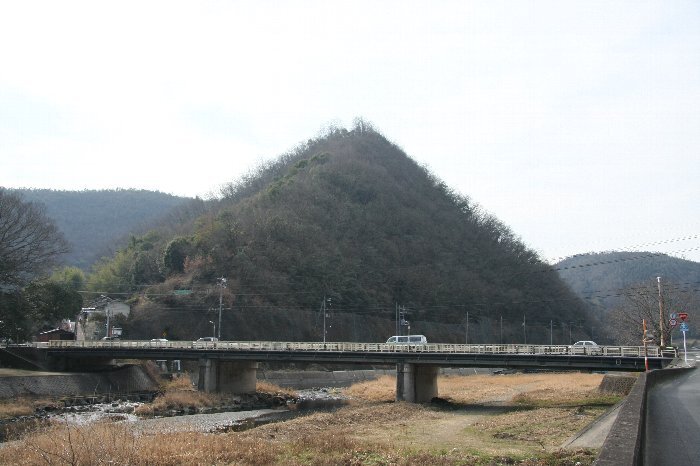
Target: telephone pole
{"points": [[500, 339], [551, 333], [222, 285], [661, 313], [323, 309], [466, 333]]}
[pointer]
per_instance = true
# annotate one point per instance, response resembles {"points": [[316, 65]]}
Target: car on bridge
{"points": [[407, 340], [208, 339], [585, 347]]}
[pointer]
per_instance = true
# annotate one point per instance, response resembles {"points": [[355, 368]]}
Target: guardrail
{"points": [[613, 351]]}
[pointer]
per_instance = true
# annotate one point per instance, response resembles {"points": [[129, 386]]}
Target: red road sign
{"points": [[672, 322], [683, 315]]}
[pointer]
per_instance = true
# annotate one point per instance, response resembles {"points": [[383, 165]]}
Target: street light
{"points": [[214, 328]]}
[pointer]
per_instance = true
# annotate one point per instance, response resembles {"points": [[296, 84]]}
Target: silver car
{"points": [[585, 347]]}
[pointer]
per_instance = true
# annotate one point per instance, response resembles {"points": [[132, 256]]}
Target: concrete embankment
{"points": [[129, 379]]}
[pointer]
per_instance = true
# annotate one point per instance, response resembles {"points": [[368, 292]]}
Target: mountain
{"points": [[94, 222], [600, 278], [349, 230]]}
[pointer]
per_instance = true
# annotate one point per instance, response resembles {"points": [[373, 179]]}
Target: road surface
{"points": [[673, 421]]}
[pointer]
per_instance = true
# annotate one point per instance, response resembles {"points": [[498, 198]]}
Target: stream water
{"points": [[215, 420]]}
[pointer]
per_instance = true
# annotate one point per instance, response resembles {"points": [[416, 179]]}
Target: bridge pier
{"points": [[416, 383], [227, 377]]}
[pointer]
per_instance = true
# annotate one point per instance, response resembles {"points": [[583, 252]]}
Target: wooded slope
{"points": [[349, 217]]}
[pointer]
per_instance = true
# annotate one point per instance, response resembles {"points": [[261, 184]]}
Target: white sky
{"points": [[577, 123]]}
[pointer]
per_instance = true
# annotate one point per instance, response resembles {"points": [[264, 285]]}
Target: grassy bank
{"points": [[511, 419]]}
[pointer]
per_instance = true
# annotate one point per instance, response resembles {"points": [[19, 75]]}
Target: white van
{"points": [[408, 340]]}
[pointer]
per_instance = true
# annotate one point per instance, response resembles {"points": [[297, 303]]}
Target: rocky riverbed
{"points": [[241, 413]]}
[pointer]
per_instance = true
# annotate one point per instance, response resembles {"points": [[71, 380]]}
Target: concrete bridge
{"points": [[230, 366]]}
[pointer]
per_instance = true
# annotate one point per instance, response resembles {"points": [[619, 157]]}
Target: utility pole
{"points": [[396, 312], [501, 331], [661, 313], [222, 285], [551, 333], [323, 309], [524, 331], [108, 316], [402, 322], [466, 336], [644, 342]]}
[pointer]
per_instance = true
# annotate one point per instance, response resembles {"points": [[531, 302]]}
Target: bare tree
{"points": [[641, 302], [30, 242]]}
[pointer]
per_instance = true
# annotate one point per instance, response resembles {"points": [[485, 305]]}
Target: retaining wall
{"points": [[618, 383], [123, 380]]}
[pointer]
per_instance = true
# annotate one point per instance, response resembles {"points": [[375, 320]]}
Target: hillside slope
{"points": [[600, 278], [93, 221], [350, 218]]}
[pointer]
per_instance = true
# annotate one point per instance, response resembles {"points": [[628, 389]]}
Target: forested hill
{"points": [[601, 277], [350, 218], [94, 221]]}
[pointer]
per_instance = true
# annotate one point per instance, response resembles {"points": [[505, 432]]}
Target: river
{"points": [[123, 411]]}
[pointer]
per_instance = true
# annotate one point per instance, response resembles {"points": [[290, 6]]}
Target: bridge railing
{"points": [[615, 351]]}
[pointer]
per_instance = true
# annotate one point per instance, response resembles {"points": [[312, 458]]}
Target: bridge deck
{"points": [[623, 358], [631, 351]]}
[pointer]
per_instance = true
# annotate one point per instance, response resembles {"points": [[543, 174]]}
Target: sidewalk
{"points": [[593, 435]]}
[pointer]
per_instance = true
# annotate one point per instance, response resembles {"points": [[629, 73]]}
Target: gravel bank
{"points": [[215, 422]]}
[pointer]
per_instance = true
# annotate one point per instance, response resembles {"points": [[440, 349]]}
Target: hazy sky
{"points": [[577, 123]]}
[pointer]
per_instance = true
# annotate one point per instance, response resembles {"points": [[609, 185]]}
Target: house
{"points": [[111, 307], [98, 320], [55, 334]]}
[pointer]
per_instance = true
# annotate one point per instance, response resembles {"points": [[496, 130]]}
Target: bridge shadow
{"points": [[447, 404], [498, 407]]}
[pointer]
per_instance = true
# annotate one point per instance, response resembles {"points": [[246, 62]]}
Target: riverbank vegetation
{"points": [[479, 420], [179, 395], [17, 407]]}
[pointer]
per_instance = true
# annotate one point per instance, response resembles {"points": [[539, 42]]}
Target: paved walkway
{"points": [[595, 433]]}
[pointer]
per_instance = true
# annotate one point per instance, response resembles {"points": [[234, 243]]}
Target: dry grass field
{"points": [[482, 420]]}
